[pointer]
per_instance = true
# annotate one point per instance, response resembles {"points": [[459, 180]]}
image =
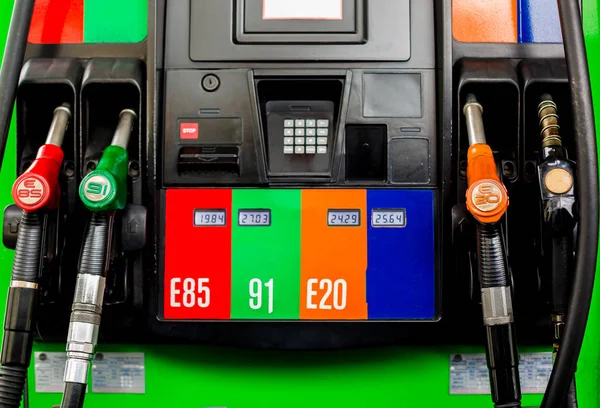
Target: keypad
{"points": [[305, 136]]}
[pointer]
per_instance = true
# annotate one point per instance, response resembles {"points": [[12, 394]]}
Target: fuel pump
{"points": [[104, 192], [36, 192], [300, 165]]}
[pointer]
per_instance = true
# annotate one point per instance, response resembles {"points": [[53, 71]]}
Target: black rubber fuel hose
{"points": [[562, 254], [492, 268], [587, 190], [14, 54], [17, 342], [501, 350], [73, 395]]}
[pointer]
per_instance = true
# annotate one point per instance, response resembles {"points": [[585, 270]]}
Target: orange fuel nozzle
{"points": [[487, 198]]}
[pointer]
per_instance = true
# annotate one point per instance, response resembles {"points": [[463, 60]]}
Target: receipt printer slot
{"points": [[204, 159]]}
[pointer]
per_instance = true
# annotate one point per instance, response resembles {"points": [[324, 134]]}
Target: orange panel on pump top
{"points": [[334, 257], [489, 21]]}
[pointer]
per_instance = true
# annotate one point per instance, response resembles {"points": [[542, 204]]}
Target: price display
{"points": [[395, 218], [343, 218], [254, 218], [210, 218]]}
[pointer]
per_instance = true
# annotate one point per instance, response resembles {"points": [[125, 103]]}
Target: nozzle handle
{"points": [[105, 188]]}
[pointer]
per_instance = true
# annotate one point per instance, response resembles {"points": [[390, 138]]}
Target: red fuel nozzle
{"points": [[38, 188]]}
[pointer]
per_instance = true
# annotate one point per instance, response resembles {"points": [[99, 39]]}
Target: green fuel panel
{"points": [[265, 269]]}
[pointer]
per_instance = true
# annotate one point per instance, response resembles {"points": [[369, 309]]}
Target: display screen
{"points": [[210, 218], [389, 218], [254, 218], [343, 218], [302, 9]]}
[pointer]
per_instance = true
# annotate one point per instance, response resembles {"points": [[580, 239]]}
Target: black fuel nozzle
{"points": [[487, 201], [556, 175], [36, 192], [104, 192]]}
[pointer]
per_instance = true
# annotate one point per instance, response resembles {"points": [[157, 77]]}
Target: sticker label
{"points": [[49, 371], [302, 9], [469, 373], [30, 191], [120, 373]]}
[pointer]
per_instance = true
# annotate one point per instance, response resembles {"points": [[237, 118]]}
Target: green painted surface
{"points": [[115, 21], [265, 261], [192, 376], [105, 188], [588, 375]]}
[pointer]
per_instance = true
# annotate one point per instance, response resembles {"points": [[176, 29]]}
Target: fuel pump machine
{"points": [[310, 184], [301, 175]]}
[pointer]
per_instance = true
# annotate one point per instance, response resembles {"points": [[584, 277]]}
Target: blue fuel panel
{"points": [[539, 21], [401, 259]]}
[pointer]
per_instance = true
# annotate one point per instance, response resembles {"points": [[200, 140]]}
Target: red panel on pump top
{"points": [[198, 255]]}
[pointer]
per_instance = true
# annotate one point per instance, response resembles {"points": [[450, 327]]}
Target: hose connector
{"points": [[86, 311], [84, 326]]}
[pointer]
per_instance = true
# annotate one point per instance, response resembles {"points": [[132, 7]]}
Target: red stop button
{"points": [[188, 131]]}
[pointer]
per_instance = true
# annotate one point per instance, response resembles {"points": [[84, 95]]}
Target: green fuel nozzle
{"points": [[105, 188], [103, 192]]}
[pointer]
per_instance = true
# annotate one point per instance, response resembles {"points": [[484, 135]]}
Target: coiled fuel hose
{"points": [[487, 201], [104, 192], [36, 191]]}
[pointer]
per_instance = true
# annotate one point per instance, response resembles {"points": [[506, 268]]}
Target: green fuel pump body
{"points": [[206, 376]]}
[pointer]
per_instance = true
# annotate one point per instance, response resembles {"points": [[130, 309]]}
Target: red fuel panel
{"points": [[197, 255]]}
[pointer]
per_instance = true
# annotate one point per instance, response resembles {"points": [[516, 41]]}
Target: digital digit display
{"points": [[302, 9], [210, 218], [343, 218], [393, 218], [254, 218]]}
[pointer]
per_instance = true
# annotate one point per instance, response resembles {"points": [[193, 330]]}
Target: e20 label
{"points": [[325, 294], [189, 292]]}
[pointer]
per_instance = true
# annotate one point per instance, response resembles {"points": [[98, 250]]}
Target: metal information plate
{"points": [[469, 373], [49, 371], [120, 373]]}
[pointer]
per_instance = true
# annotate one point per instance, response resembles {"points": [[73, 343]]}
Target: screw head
{"points": [[43, 356], [210, 83]]}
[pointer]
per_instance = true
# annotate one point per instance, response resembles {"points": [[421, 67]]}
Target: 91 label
{"points": [[189, 293], [260, 297]]}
